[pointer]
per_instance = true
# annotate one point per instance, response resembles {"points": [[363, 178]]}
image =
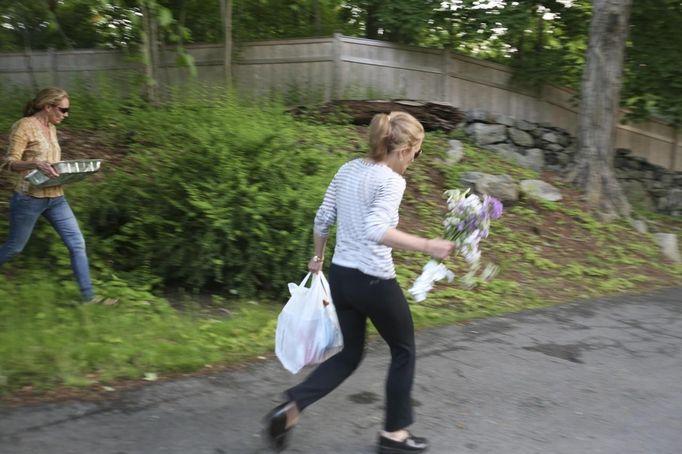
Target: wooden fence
{"points": [[315, 69]]}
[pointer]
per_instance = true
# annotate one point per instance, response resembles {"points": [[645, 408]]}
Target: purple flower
{"points": [[467, 223], [492, 206]]}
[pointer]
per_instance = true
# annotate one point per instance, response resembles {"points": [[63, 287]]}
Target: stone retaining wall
{"points": [[543, 146]]}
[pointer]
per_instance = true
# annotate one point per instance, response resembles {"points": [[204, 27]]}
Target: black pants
{"points": [[358, 296]]}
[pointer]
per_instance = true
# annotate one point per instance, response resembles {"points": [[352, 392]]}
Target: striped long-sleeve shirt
{"points": [[363, 200]]}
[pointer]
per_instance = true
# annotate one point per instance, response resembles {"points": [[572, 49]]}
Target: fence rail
{"points": [[345, 67]]}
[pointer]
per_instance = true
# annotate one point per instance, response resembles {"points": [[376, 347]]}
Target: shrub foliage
{"points": [[219, 194]]}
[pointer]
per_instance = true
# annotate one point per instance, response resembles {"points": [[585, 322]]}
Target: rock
{"points": [[637, 194], [504, 120], [639, 225], [554, 148], [469, 179], [564, 159], [667, 178], [668, 244], [538, 189], [550, 137], [564, 139], [538, 132], [521, 138], [477, 115], [634, 164], [524, 125], [487, 134], [455, 153], [502, 187], [543, 146], [673, 200], [534, 159], [619, 163], [571, 148], [505, 150]]}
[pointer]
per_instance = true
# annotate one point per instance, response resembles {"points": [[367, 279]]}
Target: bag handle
{"points": [[325, 286], [305, 280], [293, 287]]}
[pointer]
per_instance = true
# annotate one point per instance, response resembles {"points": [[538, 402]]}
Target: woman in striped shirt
{"points": [[363, 201]]}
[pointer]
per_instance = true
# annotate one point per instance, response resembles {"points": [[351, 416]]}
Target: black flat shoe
{"points": [[276, 430], [409, 445]]}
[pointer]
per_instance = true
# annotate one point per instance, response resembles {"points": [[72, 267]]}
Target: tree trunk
{"points": [[317, 18], [599, 105], [226, 10], [372, 23], [149, 51], [52, 6], [540, 39]]}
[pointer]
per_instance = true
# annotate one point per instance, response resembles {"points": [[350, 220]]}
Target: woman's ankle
{"points": [[292, 414], [398, 435]]}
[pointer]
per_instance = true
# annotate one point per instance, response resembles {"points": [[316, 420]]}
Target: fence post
{"points": [[445, 76], [28, 61], [677, 142], [337, 78], [54, 69]]}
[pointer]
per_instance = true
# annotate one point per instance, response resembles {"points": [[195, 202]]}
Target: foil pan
{"points": [[69, 172]]}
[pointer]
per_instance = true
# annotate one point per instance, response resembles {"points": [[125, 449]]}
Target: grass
{"points": [[548, 253], [52, 342]]}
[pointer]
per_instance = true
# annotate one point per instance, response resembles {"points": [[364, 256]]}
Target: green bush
{"points": [[217, 195], [11, 109]]}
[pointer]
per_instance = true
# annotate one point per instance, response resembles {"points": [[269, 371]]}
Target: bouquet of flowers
{"points": [[467, 223]]}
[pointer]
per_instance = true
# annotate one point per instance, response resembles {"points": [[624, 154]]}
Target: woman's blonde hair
{"points": [[393, 131], [45, 97]]}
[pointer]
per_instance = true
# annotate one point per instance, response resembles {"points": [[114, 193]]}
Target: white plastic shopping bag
{"points": [[308, 330]]}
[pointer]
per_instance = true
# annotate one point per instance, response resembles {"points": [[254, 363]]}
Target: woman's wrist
{"points": [[426, 245]]}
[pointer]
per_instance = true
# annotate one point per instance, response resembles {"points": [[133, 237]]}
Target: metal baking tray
{"points": [[69, 172]]}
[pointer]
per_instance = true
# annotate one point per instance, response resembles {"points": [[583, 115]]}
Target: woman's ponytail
{"points": [[45, 97], [29, 108], [388, 132], [379, 136]]}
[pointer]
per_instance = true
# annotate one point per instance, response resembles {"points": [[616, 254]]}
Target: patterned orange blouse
{"points": [[28, 142]]}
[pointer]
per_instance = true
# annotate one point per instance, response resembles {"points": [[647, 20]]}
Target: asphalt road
{"points": [[590, 377]]}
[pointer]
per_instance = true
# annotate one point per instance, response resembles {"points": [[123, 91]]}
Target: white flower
{"points": [[466, 223], [432, 272]]}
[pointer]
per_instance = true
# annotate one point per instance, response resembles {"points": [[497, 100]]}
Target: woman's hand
{"points": [[46, 168], [315, 264], [439, 248]]}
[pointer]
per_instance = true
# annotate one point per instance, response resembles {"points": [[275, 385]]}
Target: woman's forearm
{"points": [[44, 166], [398, 239], [317, 261], [319, 243], [20, 166], [439, 248]]}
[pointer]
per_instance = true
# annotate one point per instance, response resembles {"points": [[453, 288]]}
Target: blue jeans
{"points": [[25, 211]]}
